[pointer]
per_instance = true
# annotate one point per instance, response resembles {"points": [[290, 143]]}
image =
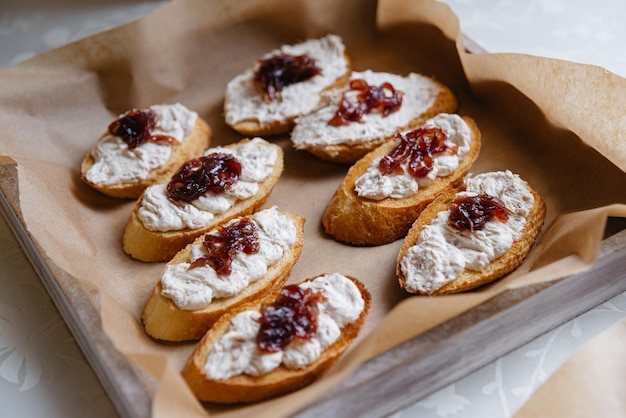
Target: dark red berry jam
{"points": [[279, 71], [135, 128], [473, 212], [223, 247], [293, 314], [363, 98], [212, 173], [418, 147]]}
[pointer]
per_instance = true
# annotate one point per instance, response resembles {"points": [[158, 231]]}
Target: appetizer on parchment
{"points": [[284, 84], [244, 260], [385, 191], [144, 147], [205, 192], [356, 118], [278, 345], [472, 236]]}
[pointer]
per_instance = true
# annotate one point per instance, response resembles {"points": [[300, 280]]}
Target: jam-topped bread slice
{"points": [[471, 236], [356, 118], [205, 192], [280, 344], [242, 261], [385, 191], [144, 147], [284, 84]]}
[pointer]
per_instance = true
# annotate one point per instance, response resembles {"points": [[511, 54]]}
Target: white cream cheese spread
{"points": [[195, 288], [442, 253], [236, 351], [158, 213], [419, 94], [374, 184], [246, 101], [115, 163]]}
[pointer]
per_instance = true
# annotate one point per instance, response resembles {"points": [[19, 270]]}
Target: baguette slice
{"points": [[152, 246], [362, 221], [249, 112], [349, 143], [164, 320], [243, 388], [470, 279], [194, 144]]}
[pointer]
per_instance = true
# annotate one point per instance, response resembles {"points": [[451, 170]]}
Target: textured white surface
{"points": [[43, 372], [589, 32]]}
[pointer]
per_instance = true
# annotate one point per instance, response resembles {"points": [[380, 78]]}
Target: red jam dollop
{"points": [[362, 98], [211, 173], [418, 147], [293, 314], [135, 128], [473, 212], [223, 247], [279, 71]]}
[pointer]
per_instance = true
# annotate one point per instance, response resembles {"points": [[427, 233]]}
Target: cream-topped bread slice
{"points": [[472, 236], [397, 103], [373, 207], [160, 226], [284, 84], [144, 147], [239, 360], [193, 293]]}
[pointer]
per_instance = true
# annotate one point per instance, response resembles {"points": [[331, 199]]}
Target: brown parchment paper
{"points": [[552, 122]]}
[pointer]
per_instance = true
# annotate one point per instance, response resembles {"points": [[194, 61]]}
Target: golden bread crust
{"points": [[163, 320], [150, 246], [243, 388], [359, 221], [504, 264], [197, 142]]}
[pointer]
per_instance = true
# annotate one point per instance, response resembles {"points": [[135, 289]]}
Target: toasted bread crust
{"points": [[163, 320], [360, 221], [198, 141], [243, 388], [446, 102], [150, 246], [504, 264]]}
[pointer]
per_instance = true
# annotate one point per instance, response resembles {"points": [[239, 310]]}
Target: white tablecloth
{"points": [[42, 370]]}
